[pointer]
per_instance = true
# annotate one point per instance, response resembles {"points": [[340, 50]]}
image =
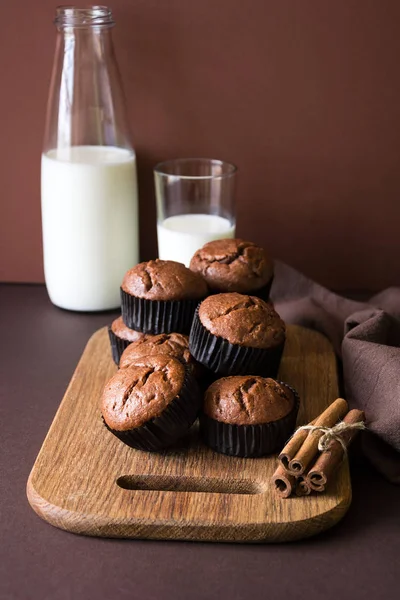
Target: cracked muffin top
{"points": [[171, 344], [243, 320], [247, 400], [142, 391], [164, 280], [119, 328], [233, 265]]}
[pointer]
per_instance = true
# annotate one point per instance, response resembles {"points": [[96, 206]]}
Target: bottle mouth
{"points": [[92, 16]]}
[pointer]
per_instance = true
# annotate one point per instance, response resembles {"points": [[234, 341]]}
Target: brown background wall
{"points": [[304, 96]]}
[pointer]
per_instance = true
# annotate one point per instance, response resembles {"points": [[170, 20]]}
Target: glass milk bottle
{"points": [[89, 188]]}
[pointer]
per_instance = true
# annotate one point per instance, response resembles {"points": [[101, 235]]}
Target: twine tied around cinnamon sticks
{"points": [[313, 453], [332, 433]]}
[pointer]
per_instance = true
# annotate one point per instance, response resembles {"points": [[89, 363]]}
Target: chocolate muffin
{"points": [[248, 416], [160, 296], [170, 344], [152, 403], [236, 334], [234, 265], [120, 337]]}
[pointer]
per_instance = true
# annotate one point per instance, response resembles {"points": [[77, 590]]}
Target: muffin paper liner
{"points": [[157, 316], [220, 356], [249, 441], [162, 431], [118, 345]]}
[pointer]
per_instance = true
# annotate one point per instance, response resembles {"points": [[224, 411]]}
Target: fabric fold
{"points": [[366, 336]]}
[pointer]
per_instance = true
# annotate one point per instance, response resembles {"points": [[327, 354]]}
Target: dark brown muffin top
{"points": [[247, 400], [142, 391], [119, 328], [164, 280], [171, 344], [233, 265], [243, 320]]}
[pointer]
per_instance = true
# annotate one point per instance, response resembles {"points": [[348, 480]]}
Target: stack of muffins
{"points": [[182, 329]]}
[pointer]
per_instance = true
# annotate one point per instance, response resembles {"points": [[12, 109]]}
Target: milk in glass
{"points": [[180, 236]]}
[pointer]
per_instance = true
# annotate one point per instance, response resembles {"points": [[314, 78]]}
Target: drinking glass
{"points": [[195, 204]]}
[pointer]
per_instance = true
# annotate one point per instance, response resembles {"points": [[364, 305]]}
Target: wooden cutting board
{"points": [[86, 481]]}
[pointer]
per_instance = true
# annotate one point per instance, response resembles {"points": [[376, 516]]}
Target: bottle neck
{"points": [[86, 103], [92, 18]]}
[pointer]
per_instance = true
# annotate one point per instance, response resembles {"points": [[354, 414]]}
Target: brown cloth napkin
{"points": [[366, 336]]}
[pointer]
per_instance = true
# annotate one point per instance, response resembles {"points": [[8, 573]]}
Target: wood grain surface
{"points": [[86, 481]]}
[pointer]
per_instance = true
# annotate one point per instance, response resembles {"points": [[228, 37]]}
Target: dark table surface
{"points": [[40, 346]]}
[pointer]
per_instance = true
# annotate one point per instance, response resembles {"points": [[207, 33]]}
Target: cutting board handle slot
{"points": [[182, 483]]}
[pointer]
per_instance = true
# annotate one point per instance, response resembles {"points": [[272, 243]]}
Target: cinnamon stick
{"points": [[283, 483], [320, 474], [293, 446], [314, 485], [303, 487], [307, 452]]}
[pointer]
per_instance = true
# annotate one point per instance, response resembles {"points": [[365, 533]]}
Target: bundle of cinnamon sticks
{"points": [[303, 468]]}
